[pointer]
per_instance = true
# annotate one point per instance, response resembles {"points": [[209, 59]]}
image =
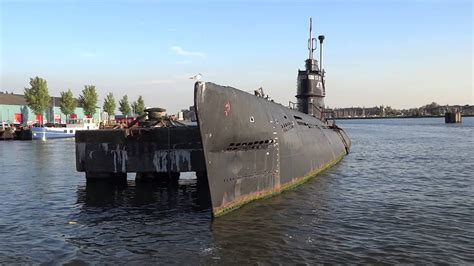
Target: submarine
{"points": [[243, 147], [254, 147]]}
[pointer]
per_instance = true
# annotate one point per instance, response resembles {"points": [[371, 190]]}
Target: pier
{"points": [[452, 117], [11, 133], [6, 134], [151, 153]]}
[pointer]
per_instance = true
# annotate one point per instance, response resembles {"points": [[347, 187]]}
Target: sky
{"points": [[394, 53]]}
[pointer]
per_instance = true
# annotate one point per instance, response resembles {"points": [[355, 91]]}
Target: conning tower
{"points": [[311, 89]]}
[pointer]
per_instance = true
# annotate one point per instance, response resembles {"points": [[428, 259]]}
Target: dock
{"points": [[151, 153], [7, 133], [452, 117]]}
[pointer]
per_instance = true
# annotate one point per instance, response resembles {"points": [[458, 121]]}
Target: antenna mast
{"points": [[311, 40], [321, 39], [311, 89]]}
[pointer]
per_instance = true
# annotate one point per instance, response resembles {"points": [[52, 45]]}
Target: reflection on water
{"points": [[279, 229], [159, 195], [141, 220], [403, 195]]}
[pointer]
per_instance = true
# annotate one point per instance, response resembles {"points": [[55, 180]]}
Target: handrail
{"points": [[321, 113]]}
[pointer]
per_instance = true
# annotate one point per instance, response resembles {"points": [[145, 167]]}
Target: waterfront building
{"points": [[14, 109], [357, 112], [188, 114]]}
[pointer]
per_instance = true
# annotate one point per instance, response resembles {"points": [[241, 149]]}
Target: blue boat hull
{"points": [[46, 133]]}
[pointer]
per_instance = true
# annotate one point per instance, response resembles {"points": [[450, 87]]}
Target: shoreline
{"points": [[395, 117]]}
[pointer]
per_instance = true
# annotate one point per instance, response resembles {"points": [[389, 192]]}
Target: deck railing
{"points": [[316, 111]]}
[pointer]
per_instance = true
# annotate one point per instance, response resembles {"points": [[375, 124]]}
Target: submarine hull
{"points": [[255, 148]]}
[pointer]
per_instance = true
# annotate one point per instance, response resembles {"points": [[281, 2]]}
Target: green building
{"points": [[13, 109]]}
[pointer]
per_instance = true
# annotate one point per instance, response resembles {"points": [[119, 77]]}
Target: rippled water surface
{"points": [[404, 194]]}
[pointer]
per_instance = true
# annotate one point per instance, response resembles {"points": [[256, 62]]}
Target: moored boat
{"points": [[69, 131]]}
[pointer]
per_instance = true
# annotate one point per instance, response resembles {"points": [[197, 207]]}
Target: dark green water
{"points": [[405, 194]]}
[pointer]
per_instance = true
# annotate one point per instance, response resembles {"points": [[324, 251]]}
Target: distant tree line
{"points": [[38, 99], [431, 109], [428, 109]]}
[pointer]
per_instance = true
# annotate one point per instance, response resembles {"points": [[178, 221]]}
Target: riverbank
{"points": [[395, 117]]}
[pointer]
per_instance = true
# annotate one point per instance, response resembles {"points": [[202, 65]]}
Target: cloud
{"points": [[88, 54], [180, 51]]}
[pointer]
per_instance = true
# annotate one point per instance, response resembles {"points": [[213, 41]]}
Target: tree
{"points": [[109, 105], [389, 111], [88, 100], [124, 106], [37, 97], [432, 105], [134, 108], [382, 111], [68, 103], [140, 106], [433, 108]]}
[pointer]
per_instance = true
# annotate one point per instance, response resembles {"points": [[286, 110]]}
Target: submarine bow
{"points": [[255, 148]]}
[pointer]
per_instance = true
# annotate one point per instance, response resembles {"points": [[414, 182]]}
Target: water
{"points": [[403, 195]]}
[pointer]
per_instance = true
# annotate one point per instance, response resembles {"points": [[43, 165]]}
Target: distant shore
{"points": [[392, 117]]}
